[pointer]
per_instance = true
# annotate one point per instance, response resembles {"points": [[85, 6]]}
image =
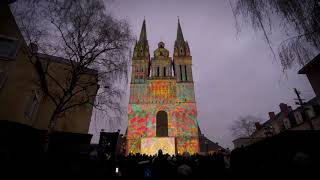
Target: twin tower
{"points": [[162, 112]]}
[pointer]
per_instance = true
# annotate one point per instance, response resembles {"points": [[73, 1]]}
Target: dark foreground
{"points": [[289, 155]]}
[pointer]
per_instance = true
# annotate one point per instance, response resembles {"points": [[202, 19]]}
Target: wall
{"points": [[22, 82], [177, 99], [75, 120], [19, 73], [314, 78]]}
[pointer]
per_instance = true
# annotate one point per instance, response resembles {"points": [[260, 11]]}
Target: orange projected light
{"points": [[150, 146]]}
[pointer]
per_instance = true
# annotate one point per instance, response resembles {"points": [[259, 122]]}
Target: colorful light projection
{"points": [[185, 92], [182, 119], [150, 146], [177, 99], [186, 117], [153, 91], [134, 145], [162, 90], [139, 93], [187, 144]]}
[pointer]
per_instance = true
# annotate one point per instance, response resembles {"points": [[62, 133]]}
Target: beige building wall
{"points": [[21, 86], [76, 119], [18, 73]]}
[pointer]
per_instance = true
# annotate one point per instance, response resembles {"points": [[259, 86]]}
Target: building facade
{"points": [[312, 71], [286, 120], [21, 99], [162, 112]]}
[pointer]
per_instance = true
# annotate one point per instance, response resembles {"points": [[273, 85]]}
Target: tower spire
{"points": [[179, 32], [143, 33]]}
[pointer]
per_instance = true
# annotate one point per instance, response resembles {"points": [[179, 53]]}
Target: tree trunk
{"points": [[52, 122]]}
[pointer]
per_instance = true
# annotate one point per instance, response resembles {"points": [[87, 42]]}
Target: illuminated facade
{"points": [[162, 112]]}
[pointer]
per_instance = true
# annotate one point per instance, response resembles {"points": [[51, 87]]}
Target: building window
{"points": [[180, 72], [298, 117], [185, 72], [164, 71], [158, 71], [8, 47], [162, 124], [32, 105]]}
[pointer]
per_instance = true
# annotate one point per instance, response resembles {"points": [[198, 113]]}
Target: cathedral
{"points": [[162, 111]]}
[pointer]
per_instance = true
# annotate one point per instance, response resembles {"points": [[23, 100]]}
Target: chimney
{"points": [[272, 115], [284, 108], [258, 125]]}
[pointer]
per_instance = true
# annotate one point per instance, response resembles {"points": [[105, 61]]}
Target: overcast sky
{"points": [[234, 74]]}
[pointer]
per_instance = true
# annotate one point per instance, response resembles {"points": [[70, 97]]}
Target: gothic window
{"points": [[180, 72], [185, 72], [162, 124], [181, 51], [158, 71], [164, 71]]}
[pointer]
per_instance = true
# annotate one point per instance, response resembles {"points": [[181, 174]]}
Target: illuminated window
{"points": [[162, 124]]}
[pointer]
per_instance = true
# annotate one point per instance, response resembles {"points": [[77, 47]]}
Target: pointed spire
{"points": [[143, 34], [179, 32]]}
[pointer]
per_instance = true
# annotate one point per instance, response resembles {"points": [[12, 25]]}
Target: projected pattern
{"points": [[150, 146], [161, 95]]}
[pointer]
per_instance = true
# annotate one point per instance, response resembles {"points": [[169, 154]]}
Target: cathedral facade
{"points": [[162, 112]]}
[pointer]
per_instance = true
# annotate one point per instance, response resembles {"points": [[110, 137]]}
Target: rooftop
{"points": [[314, 62]]}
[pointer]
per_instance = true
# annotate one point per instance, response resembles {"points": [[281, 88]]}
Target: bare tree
{"points": [[300, 20], [244, 126], [87, 38]]}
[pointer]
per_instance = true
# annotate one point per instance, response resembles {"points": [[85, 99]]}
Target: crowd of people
{"points": [[240, 163], [164, 166], [273, 158]]}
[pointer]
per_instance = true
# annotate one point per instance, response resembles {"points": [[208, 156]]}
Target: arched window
{"points": [[162, 124], [180, 73], [185, 72]]}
